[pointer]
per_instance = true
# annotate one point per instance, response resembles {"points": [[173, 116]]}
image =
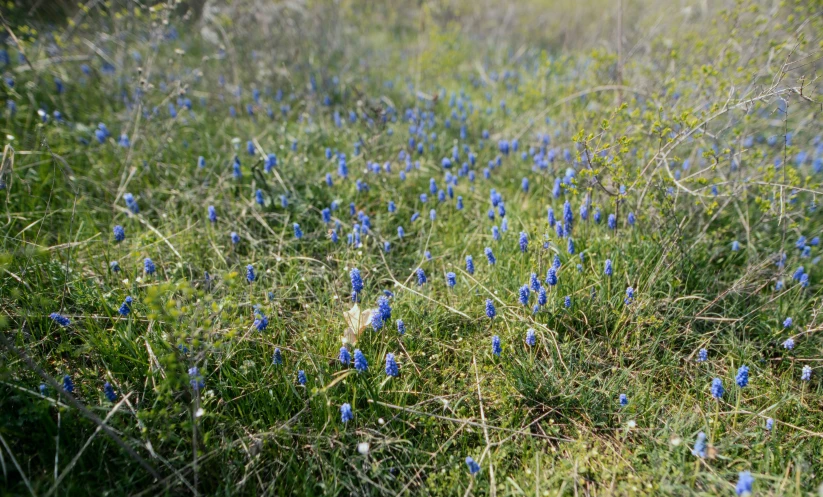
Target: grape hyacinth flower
{"points": [[261, 323], [60, 319], [125, 307], [717, 388], [196, 379], [534, 282], [360, 363], [788, 344], [567, 302], [68, 385], [745, 481], [702, 355], [235, 238], [421, 276], [612, 222], [377, 321], [345, 356], [131, 203], [119, 233], [524, 295], [806, 373], [277, 359], [735, 246], [212, 214], [551, 276], [148, 266], [356, 282], [108, 390], [630, 218], [391, 365], [345, 413], [469, 264], [496, 348], [383, 307], [769, 424], [298, 233], [401, 327], [301, 377], [629, 296], [250, 276], [624, 401], [115, 266], [474, 468], [700, 446], [451, 279], [490, 310], [490, 256], [524, 242], [787, 322], [608, 268], [542, 297], [742, 378], [531, 339]]}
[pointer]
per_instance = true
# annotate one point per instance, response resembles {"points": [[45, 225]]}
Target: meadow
{"points": [[431, 248]]}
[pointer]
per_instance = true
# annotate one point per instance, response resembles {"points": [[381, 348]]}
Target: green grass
{"points": [[542, 420]]}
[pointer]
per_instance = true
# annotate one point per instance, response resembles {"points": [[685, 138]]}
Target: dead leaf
{"points": [[356, 321]]}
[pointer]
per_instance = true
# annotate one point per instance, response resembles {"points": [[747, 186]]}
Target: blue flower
{"points": [[490, 310], [261, 323], [597, 216], [68, 385], [125, 307], [630, 218], [534, 282], [235, 238], [345, 356], [551, 276], [556, 262], [804, 280], [717, 388], [298, 233], [115, 266], [742, 378], [570, 246], [524, 295], [345, 413], [490, 255], [531, 339], [542, 298], [108, 390], [401, 327], [131, 203], [148, 266], [451, 279], [391, 365], [119, 233], [384, 308], [360, 362], [623, 399], [769, 424], [258, 197], [567, 301], [326, 215], [277, 359], [735, 246], [496, 348], [700, 446], [702, 355], [301, 377], [377, 321], [356, 281], [469, 264], [421, 276], [745, 480], [524, 241], [212, 214], [629, 296], [806, 373], [460, 203], [196, 379], [568, 216], [787, 322], [799, 272], [608, 269], [250, 276], [60, 319], [788, 344], [474, 468]]}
